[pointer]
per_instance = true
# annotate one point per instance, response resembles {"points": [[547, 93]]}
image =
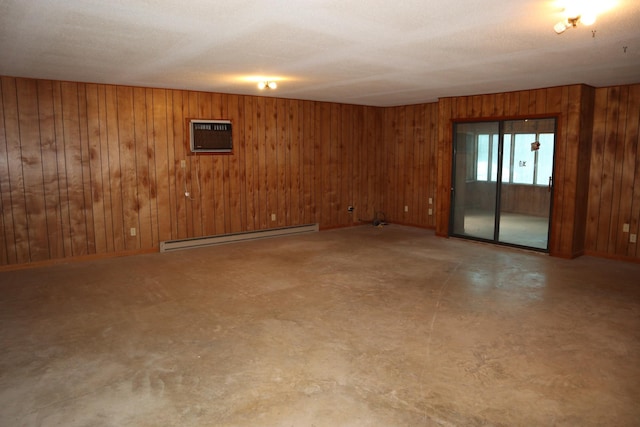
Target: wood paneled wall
{"points": [[571, 105], [83, 164], [614, 190], [410, 142]]}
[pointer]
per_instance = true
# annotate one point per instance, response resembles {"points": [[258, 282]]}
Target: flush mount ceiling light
{"points": [[583, 12], [267, 85], [572, 21]]}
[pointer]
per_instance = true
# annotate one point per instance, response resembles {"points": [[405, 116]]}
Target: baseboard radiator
{"points": [[198, 242]]}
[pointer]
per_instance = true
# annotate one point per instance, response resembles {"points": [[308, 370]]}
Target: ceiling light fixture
{"points": [[267, 85], [573, 17]]}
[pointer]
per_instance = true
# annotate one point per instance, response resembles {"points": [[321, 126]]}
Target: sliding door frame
{"points": [[500, 121]]}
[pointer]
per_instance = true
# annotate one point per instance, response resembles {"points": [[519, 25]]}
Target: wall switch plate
{"points": [[133, 231], [430, 200], [430, 211], [406, 208], [625, 228], [273, 217], [633, 238], [183, 164]]}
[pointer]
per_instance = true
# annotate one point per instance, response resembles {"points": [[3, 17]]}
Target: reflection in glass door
{"points": [[502, 181]]}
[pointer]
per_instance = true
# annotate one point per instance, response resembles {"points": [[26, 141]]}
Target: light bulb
{"points": [[560, 27], [272, 85], [261, 85], [588, 18]]}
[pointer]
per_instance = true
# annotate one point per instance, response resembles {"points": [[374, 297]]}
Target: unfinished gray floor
{"points": [[355, 327]]}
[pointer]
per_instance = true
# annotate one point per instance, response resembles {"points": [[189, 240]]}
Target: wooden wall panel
{"points": [[614, 195], [410, 169], [83, 164]]}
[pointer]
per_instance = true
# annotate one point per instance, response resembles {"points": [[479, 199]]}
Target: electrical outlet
{"points": [[133, 231], [625, 228], [430, 211], [633, 238], [183, 164], [430, 200], [406, 208], [273, 217]]}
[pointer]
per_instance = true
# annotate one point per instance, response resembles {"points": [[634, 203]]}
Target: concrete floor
{"points": [[363, 326]]}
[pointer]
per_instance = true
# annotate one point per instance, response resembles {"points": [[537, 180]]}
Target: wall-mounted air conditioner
{"points": [[210, 136]]}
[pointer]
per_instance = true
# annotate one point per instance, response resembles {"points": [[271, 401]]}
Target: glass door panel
{"points": [[525, 193], [475, 187]]}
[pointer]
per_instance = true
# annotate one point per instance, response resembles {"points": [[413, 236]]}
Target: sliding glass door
{"points": [[502, 181]]}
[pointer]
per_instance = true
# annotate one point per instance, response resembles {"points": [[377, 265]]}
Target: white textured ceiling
{"points": [[371, 52]]}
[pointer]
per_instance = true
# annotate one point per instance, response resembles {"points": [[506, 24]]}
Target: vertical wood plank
{"points": [[271, 162], [617, 238], [95, 165], [154, 213], [346, 163], [126, 145], [223, 109], [322, 156], [194, 208], [629, 141], [143, 182], [238, 202], [49, 151], [282, 163], [359, 172], [31, 157], [101, 125], [250, 163], [85, 164], [180, 182], [220, 165], [74, 167], [7, 242], [14, 185], [433, 159], [294, 155], [159, 102], [444, 158], [608, 163], [597, 158], [390, 206], [334, 173], [114, 175], [309, 162]]}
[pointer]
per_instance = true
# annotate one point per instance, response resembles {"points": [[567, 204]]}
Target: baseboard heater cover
{"points": [[198, 242]]}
